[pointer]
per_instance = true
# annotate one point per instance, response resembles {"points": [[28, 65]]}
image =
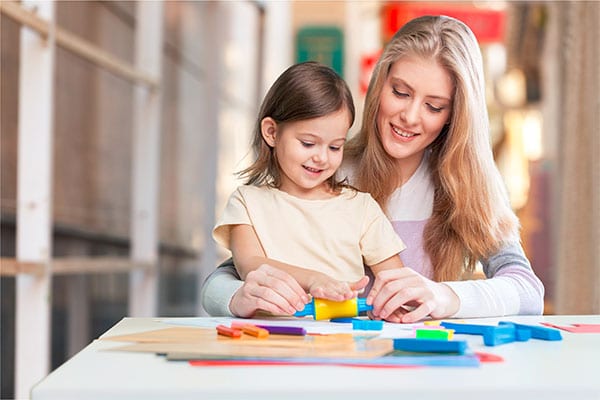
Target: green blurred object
{"points": [[324, 44]]}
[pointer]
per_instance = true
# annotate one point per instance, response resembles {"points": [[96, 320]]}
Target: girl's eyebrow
{"points": [[402, 82], [315, 136]]}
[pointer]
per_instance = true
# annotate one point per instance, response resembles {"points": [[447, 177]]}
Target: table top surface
{"points": [[533, 369]]}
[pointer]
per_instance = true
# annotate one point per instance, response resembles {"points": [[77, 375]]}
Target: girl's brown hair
{"points": [[304, 91]]}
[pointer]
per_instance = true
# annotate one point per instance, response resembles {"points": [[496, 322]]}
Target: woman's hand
{"points": [[403, 295], [324, 287], [268, 289]]}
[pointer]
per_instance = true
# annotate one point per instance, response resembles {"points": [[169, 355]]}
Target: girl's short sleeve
{"points": [[379, 241], [235, 213]]}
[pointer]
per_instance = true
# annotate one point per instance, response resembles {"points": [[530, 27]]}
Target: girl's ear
{"points": [[268, 129]]}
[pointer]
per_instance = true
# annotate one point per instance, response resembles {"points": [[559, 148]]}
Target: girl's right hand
{"points": [[268, 289], [325, 287]]}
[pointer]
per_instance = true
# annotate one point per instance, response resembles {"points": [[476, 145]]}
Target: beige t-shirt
{"points": [[335, 236]]}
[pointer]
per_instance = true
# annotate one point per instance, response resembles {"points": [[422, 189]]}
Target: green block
{"points": [[432, 334]]}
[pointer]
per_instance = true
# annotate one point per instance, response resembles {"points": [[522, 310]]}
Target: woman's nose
{"points": [[410, 113]]}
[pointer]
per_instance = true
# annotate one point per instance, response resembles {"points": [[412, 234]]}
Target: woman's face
{"points": [[414, 105]]}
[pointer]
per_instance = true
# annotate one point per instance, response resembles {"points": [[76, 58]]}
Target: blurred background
{"points": [[123, 122]]}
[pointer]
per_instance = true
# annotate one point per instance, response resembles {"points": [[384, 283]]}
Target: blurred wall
{"points": [[210, 88]]}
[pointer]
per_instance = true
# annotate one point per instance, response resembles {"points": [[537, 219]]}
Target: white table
{"points": [[536, 369]]}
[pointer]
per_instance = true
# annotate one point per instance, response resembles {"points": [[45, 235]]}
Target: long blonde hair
{"points": [[471, 216]]}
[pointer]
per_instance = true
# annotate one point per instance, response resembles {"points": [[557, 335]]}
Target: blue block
{"points": [[468, 329], [522, 335], [344, 320], [431, 345], [499, 335], [367, 325], [536, 332], [492, 335]]}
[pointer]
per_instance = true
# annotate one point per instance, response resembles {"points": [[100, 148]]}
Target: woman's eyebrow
{"points": [[402, 82]]}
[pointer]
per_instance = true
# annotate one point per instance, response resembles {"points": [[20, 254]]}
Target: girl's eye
{"points": [[306, 144], [335, 148]]}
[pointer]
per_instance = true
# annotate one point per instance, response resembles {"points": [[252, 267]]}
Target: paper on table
{"points": [[390, 330]]}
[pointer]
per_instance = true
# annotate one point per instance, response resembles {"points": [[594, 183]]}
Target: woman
{"points": [[423, 153]]}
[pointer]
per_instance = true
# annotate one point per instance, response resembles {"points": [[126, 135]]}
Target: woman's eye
{"points": [[335, 148], [307, 144], [435, 109], [399, 93]]}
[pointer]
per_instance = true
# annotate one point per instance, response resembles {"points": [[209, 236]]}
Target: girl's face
{"points": [[308, 152], [414, 105]]}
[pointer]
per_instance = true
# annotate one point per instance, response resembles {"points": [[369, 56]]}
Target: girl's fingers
{"points": [[360, 284]]}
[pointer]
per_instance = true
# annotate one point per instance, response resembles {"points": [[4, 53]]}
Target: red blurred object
{"points": [[367, 64], [487, 25]]}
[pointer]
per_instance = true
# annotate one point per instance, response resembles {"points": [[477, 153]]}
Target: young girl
{"points": [[423, 153], [293, 212]]}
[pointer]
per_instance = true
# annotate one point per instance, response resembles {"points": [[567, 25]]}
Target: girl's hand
{"points": [[325, 287], [268, 289], [403, 295]]}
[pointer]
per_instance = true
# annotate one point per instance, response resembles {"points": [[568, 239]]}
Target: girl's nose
{"points": [[320, 154]]}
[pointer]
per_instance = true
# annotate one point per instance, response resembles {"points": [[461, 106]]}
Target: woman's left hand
{"points": [[403, 295]]}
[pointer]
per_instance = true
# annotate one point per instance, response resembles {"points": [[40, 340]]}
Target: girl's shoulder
{"points": [[351, 193], [252, 192]]}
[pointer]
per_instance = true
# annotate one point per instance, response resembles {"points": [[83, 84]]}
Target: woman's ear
{"points": [[268, 129]]}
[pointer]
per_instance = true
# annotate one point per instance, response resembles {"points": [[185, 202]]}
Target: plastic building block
{"points": [[469, 329], [250, 329], [327, 309], [440, 334], [227, 331], [431, 345], [284, 330], [492, 335], [343, 320], [499, 335], [536, 332], [367, 325]]}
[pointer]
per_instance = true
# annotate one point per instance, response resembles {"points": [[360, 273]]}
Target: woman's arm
{"points": [[511, 288], [218, 289], [266, 289]]}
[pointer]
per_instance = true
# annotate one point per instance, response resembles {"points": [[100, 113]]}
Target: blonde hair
{"points": [[471, 216]]}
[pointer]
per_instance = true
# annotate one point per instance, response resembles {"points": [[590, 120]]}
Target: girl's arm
{"points": [[248, 256], [389, 263]]}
